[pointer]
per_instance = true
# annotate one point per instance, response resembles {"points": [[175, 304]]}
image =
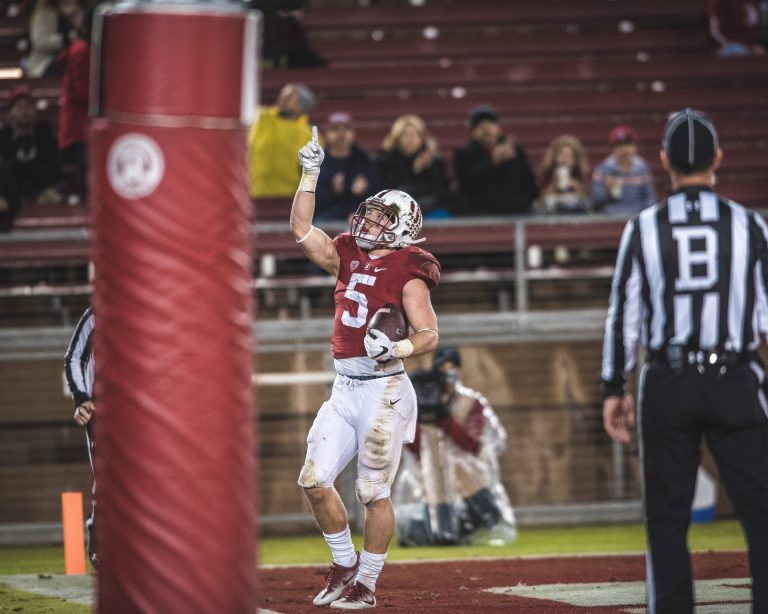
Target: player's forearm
{"points": [[424, 341], [302, 213], [303, 208]]}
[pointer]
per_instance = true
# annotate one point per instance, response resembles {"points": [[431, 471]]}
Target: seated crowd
{"points": [[37, 162], [490, 174]]}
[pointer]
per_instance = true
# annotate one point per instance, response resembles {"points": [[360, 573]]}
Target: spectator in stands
{"points": [[734, 26], [492, 170], [285, 43], [450, 490], [622, 183], [73, 113], [348, 173], [564, 177], [28, 149], [46, 39], [10, 204], [409, 160], [276, 135]]}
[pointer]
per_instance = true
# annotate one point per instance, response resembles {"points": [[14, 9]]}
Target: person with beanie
{"points": [[492, 170]]}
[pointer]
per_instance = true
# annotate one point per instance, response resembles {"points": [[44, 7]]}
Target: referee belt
{"points": [[679, 357]]}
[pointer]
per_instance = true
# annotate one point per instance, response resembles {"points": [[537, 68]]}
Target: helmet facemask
{"points": [[390, 219]]}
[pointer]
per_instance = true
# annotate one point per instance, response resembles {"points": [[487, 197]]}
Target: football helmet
{"points": [[390, 218]]}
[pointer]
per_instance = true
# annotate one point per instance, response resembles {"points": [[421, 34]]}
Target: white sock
{"points": [[342, 548], [370, 568]]}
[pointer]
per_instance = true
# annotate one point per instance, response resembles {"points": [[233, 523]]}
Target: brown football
{"points": [[389, 321]]}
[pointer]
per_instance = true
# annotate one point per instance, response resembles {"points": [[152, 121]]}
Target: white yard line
{"points": [[710, 594], [78, 589]]}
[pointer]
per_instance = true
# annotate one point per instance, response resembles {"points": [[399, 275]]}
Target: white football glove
{"points": [[311, 155], [378, 346]]}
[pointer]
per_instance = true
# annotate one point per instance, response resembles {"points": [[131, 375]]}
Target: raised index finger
{"points": [[314, 135]]}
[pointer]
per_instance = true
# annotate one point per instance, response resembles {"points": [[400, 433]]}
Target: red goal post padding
{"points": [[174, 434]]}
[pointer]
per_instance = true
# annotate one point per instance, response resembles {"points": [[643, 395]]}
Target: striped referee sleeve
{"points": [[624, 312], [760, 246], [79, 377]]}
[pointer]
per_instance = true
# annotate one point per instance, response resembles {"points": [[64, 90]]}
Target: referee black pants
{"points": [[677, 409]]}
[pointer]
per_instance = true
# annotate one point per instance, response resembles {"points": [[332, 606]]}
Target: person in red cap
{"points": [[28, 149], [622, 183], [348, 174]]}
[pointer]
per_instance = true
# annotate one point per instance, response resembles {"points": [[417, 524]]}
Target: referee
{"points": [[690, 286], [79, 368]]}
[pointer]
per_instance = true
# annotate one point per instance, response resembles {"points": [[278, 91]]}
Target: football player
{"points": [[372, 408]]}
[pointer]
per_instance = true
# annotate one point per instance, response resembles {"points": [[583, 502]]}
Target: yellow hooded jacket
{"points": [[273, 145]]}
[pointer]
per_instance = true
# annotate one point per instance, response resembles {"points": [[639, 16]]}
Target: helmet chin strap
{"points": [[364, 243]]}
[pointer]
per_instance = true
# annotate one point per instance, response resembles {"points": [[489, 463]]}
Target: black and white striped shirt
{"points": [[691, 271], [78, 362]]}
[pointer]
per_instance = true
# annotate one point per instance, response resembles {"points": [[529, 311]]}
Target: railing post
{"points": [[521, 283], [618, 484]]}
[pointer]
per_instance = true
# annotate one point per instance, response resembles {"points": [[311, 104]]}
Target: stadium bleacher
{"points": [[548, 67]]}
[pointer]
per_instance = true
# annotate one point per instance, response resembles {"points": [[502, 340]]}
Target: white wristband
{"points": [[304, 238], [308, 183], [403, 349]]}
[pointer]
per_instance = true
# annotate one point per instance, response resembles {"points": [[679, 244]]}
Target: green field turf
{"points": [[721, 535]]}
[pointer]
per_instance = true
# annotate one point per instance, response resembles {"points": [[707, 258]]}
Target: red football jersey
{"points": [[366, 284]]}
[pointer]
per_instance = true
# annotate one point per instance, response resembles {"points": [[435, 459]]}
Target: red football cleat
{"points": [[358, 597], [337, 579]]}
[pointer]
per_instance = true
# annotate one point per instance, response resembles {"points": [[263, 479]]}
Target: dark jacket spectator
{"points": [[10, 204], [28, 149], [409, 160], [348, 174], [492, 171], [285, 43]]}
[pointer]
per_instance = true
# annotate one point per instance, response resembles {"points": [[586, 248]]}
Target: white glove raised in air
{"points": [[378, 346], [311, 156]]}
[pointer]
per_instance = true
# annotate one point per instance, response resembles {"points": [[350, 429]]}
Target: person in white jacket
{"points": [[46, 40]]}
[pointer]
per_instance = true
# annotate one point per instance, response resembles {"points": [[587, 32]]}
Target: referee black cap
{"points": [[690, 141]]}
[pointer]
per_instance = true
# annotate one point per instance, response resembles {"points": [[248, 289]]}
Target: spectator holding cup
{"points": [[622, 183]]}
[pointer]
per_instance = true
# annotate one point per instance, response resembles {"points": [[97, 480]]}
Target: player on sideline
{"points": [[372, 408], [79, 369]]}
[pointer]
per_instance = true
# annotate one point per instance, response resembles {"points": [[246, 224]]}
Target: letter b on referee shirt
{"points": [[697, 258]]}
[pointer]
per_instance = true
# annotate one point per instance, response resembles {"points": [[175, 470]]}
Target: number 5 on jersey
{"points": [[358, 297]]}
